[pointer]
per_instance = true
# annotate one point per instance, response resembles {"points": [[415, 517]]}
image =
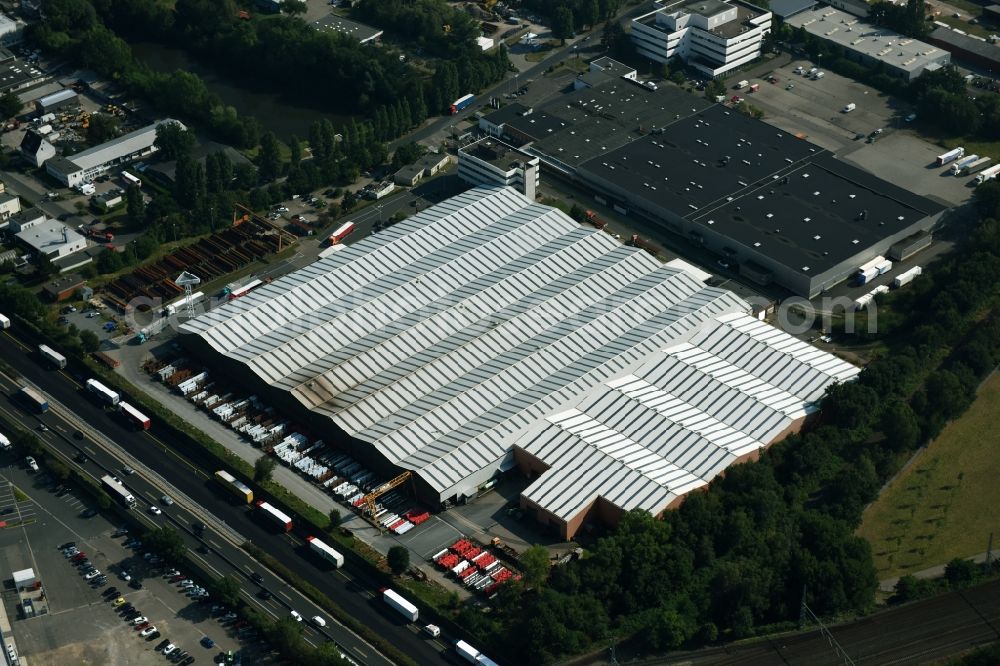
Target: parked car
{"points": [[30, 462], [140, 619], [119, 601], [162, 644], [111, 591], [169, 649], [135, 585], [148, 631], [68, 545]]}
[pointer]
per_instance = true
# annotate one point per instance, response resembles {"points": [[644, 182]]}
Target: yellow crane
{"points": [[369, 499]]}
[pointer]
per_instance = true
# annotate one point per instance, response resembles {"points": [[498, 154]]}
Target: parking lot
{"points": [[813, 110], [81, 626]]}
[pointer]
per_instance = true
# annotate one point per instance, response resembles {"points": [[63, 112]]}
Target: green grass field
{"points": [[946, 503]]}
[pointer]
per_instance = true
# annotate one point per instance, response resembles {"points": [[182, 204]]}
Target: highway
{"points": [[352, 590]]}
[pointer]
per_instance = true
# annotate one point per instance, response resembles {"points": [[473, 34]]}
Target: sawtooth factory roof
{"points": [[443, 339]]}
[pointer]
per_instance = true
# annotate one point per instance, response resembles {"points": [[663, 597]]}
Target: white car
{"points": [[93, 574], [155, 510], [170, 648], [147, 631], [32, 465], [297, 616], [318, 621], [166, 500], [139, 620]]}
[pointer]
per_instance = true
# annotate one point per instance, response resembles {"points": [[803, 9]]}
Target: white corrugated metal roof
{"points": [[444, 338], [679, 419], [133, 142]]}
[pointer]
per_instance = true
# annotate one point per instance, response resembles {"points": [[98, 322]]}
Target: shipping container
{"points": [[52, 356], [274, 515], [234, 486], [907, 277], [404, 607], [118, 490], [103, 393], [324, 551], [950, 156], [34, 399], [134, 416], [4, 322]]}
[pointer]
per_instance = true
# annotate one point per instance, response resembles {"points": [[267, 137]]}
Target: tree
{"points": [[167, 542], [103, 127], [136, 206], [89, 341], [10, 105], [263, 468], [173, 140], [335, 518], [296, 150], [959, 572], [226, 589], [900, 426], [562, 24], [399, 559], [294, 7], [535, 563], [269, 159], [45, 266]]}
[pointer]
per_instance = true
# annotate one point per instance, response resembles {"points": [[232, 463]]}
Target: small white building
{"points": [[52, 238], [24, 579], [491, 162], [378, 190], [712, 36], [88, 164], [485, 43], [9, 205]]}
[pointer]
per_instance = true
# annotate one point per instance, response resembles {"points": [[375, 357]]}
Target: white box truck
{"points": [[950, 156], [975, 167], [4, 322], [987, 174], [466, 651], [906, 277], [405, 608], [850, 107], [741, 85]]}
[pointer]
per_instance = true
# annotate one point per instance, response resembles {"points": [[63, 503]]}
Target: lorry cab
{"points": [[432, 630]]}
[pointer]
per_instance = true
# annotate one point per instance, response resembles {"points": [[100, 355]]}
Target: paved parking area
{"points": [[81, 627], [813, 110]]}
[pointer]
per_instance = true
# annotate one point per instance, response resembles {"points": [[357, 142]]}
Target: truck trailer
{"points": [[342, 232], [462, 103], [103, 393], [4, 322], [34, 399], [958, 165], [987, 174], [873, 268], [975, 167], [134, 416], [276, 516], [182, 303], [950, 156], [324, 551], [118, 490], [404, 607], [466, 651], [52, 356], [907, 277]]}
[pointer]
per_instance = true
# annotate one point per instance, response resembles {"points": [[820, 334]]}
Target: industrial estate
{"points": [[537, 331]]}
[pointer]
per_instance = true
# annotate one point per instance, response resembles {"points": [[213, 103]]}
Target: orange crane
{"points": [[369, 499]]}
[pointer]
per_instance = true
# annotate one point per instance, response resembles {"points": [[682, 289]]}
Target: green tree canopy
{"points": [[398, 558]]}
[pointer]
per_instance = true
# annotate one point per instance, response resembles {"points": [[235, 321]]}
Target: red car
{"points": [[178, 578], [79, 557], [140, 627]]}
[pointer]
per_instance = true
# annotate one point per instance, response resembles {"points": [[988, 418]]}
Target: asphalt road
{"points": [[352, 590]]}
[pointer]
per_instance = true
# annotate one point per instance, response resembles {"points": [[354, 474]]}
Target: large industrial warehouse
{"points": [[776, 207], [489, 332]]}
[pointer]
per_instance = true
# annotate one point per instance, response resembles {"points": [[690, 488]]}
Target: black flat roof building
{"points": [[790, 211]]}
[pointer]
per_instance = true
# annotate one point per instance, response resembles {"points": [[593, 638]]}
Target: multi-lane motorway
{"points": [[351, 589]]}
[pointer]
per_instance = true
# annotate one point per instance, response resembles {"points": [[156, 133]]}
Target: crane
{"points": [[369, 499]]}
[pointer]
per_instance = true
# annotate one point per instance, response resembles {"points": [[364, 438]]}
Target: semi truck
{"points": [[987, 174], [234, 486], [975, 167], [950, 156], [52, 356], [275, 516], [461, 103], [117, 490], [957, 167], [324, 551], [4, 322], [907, 277], [103, 393], [239, 292], [402, 606], [342, 232], [134, 416], [182, 302], [34, 399]]}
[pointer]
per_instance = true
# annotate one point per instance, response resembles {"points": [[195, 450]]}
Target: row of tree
{"points": [[737, 558]]}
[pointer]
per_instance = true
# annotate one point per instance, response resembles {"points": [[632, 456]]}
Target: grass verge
{"points": [[942, 506], [19, 495]]}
